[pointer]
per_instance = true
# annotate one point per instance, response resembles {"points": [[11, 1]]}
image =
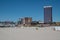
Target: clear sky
{"points": [[12, 10]]}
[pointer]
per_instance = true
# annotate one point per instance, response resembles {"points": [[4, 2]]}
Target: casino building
{"points": [[47, 14]]}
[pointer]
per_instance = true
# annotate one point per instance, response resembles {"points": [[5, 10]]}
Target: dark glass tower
{"points": [[47, 14]]}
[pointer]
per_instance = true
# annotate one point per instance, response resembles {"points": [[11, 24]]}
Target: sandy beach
{"points": [[29, 33]]}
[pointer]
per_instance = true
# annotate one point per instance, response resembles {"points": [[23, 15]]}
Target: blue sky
{"points": [[12, 10]]}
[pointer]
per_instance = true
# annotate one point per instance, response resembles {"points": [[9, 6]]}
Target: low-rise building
{"points": [[7, 24]]}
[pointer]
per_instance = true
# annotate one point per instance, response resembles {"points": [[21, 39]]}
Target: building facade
{"points": [[47, 14], [26, 20]]}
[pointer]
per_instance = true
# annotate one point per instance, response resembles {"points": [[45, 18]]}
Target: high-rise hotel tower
{"points": [[47, 14]]}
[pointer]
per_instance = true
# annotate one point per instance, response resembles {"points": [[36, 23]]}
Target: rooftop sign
{"points": [[47, 6]]}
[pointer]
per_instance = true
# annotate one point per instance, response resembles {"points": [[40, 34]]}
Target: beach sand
{"points": [[29, 33]]}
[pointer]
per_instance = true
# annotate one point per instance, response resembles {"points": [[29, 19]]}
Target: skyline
{"points": [[12, 10]]}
